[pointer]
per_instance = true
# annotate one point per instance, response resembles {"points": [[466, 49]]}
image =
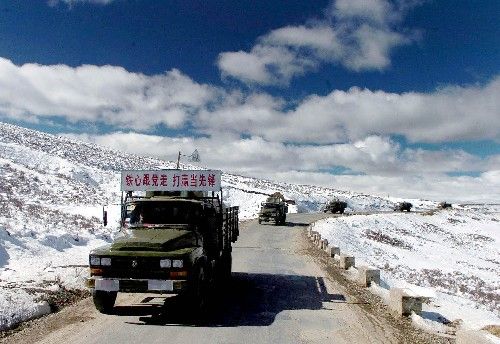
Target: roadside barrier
{"points": [[368, 275], [333, 251], [347, 261], [402, 301]]}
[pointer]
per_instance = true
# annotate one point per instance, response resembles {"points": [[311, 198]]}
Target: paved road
{"points": [[279, 294]]}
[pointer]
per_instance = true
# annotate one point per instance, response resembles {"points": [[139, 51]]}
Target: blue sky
{"points": [[380, 96]]}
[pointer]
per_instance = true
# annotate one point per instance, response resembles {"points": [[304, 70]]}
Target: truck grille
{"points": [[135, 267], [135, 263]]}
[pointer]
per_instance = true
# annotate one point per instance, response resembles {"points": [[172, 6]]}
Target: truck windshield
{"points": [[157, 213]]}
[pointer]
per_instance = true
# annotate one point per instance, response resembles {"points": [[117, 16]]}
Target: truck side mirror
{"points": [[104, 217]]}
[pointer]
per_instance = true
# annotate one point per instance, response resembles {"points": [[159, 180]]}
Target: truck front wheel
{"points": [[104, 301], [198, 290], [226, 266]]}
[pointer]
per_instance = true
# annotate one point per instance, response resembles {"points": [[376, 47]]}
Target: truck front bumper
{"points": [[136, 285], [267, 217]]}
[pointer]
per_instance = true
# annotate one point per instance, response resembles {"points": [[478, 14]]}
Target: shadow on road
{"points": [[250, 300], [296, 224]]}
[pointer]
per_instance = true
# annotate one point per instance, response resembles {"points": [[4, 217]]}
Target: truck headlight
{"points": [[106, 261], [165, 263], [176, 263], [95, 260]]}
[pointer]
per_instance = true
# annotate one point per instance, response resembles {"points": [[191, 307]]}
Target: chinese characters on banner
{"points": [[171, 180]]}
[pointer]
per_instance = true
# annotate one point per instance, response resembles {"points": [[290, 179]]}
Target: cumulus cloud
{"points": [[456, 189], [358, 34], [265, 65], [447, 114], [121, 99], [373, 155], [105, 94], [257, 134], [375, 164]]}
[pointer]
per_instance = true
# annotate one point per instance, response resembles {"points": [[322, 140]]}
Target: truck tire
{"points": [[198, 291], [104, 301], [224, 271]]}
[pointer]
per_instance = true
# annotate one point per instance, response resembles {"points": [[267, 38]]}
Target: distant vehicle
{"points": [[177, 239], [444, 205], [403, 206], [335, 206], [274, 209]]}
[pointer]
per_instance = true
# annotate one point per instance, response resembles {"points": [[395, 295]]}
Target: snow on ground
{"points": [[51, 199], [453, 254], [52, 191]]}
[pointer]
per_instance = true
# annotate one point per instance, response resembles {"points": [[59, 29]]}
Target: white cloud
{"points": [[105, 94], [321, 38], [358, 34], [448, 114], [456, 189], [385, 167], [125, 100], [372, 48], [266, 65], [377, 11]]}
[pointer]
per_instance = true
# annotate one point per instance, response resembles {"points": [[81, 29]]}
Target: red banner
{"points": [[171, 180]]}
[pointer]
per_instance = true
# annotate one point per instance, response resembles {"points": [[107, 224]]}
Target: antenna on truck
{"points": [[193, 157]]}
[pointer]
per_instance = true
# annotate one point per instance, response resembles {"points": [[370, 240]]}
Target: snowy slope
{"points": [[454, 254], [51, 195]]}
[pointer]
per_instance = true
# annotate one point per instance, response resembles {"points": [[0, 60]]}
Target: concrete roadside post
{"points": [[368, 275], [324, 244], [313, 236], [333, 251], [326, 247], [318, 239], [403, 301], [346, 261]]}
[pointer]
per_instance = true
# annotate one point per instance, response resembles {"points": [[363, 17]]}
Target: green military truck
{"points": [[335, 206], [444, 205], [403, 206], [274, 209], [176, 238]]}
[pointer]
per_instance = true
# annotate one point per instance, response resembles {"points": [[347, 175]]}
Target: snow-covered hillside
{"points": [[453, 253], [51, 195]]}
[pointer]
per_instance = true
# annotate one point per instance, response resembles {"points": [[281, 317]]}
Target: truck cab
{"points": [[335, 206], [274, 209], [174, 241]]}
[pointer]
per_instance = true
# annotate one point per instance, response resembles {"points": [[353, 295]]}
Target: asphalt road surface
{"points": [[278, 294]]}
